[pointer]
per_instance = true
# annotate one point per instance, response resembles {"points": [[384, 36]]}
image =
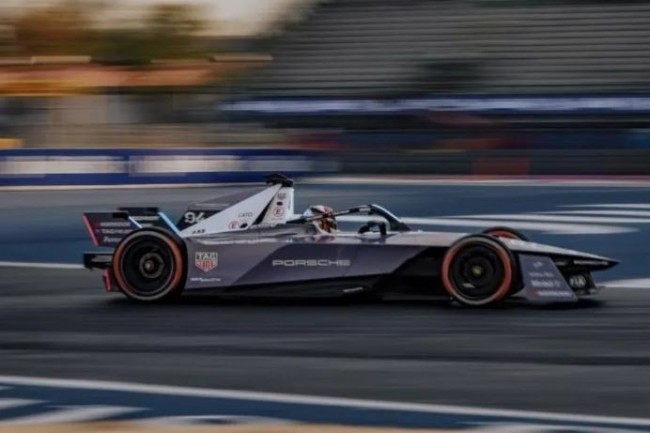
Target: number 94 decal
{"points": [[192, 217]]}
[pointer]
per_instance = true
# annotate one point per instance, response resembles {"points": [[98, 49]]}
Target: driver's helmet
{"points": [[327, 223]]}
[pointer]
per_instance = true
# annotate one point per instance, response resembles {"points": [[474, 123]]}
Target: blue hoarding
{"points": [[103, 167]]}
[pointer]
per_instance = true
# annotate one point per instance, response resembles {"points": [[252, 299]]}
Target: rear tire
{"points": [[149, 265], [505, 232], [478, 270]]}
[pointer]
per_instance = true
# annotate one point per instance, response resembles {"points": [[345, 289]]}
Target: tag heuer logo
{"points": [[206, 261]]}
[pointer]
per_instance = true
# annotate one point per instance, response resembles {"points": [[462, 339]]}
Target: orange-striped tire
{"points": [[505, 232], [478, 270], [149, 266]]}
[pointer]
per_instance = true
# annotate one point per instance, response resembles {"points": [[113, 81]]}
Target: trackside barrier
{"points": [[105, 167], [490, 104], [600, 162]]}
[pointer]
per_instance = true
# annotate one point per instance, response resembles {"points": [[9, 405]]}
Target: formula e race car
{"points": [[250, 243]]}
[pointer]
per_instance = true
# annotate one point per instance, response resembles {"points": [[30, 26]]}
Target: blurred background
{"points": [[512, 87], [102, 93]]}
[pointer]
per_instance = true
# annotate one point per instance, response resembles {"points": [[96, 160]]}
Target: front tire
{"points": [[149, 266], [478, 270], [505, 232]]}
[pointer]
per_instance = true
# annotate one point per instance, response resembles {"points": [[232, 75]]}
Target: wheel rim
{"points": [[147, 267], [477, 272]]}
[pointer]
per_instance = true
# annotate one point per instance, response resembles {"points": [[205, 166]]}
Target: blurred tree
{"points": [[172, 28], [165, 30], [60, 28], [7, 38], [121, 46]]}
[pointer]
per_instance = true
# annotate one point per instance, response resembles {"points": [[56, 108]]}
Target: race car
{"points": [[250, 243]]}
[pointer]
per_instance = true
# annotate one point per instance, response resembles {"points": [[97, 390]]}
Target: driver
{"points": [[328, 222]]}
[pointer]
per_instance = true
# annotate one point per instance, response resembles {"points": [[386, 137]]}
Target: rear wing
{"points": [[107, 229], [270, 204]]}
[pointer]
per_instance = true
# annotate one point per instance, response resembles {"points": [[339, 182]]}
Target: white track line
{"points": [[40, 265], [11, 403], [612, 205], [462, 181], [636, 283], [552, 216], [315, 400], [629, 213], [72, 414]]}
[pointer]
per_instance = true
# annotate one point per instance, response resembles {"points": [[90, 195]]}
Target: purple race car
{"points": [[250, 243]]}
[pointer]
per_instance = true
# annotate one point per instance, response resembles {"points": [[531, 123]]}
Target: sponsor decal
{"points": [[206, 261], [140, 218], [589, 262], [105, 224], [282, 196], [278, 212], [534, 274], [245, 215], [205, 280], [237, 241], [543, 282], [554, 294], [113, 231], [233, 225], [294, 263]]}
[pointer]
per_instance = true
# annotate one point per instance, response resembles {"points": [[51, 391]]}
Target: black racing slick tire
{"points": [[505, 232], [478, 270], [149, 265]]}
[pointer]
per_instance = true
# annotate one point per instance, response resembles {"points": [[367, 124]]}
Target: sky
{"points": [[235, 17], [249, 14]]}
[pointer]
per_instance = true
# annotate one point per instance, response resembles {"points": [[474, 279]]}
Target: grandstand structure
{"points": [[389, 47]]}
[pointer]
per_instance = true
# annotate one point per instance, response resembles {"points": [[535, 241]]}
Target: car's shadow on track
{"points": [[195, 301]]}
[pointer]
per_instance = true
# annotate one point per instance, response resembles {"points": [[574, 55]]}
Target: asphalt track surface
{"points": [[593, 358]]}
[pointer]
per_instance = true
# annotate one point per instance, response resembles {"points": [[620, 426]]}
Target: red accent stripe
{"points": [[108, 284], [91, 232]]}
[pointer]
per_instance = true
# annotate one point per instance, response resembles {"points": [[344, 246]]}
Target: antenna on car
{"points": [[277, 178]]}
